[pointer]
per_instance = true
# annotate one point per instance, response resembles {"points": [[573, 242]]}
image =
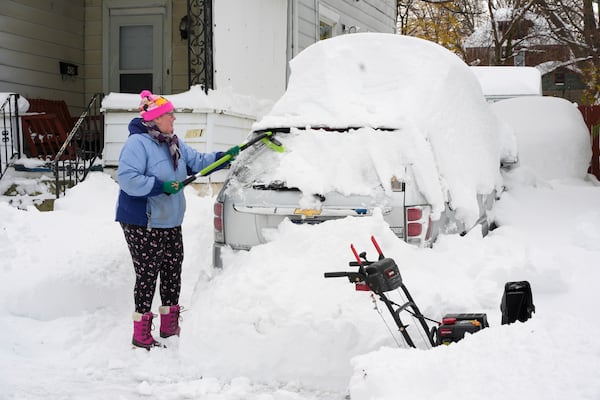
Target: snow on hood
{"points": [[403, 83]]}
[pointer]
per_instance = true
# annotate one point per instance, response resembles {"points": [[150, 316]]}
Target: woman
{"points": [[150, 209]]}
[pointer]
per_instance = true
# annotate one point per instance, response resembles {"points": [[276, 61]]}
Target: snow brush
{"points": [[266, 137]]}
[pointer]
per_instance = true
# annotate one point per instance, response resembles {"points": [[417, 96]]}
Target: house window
{"points": [[328, 21], [135, 58], [519, 59], [326, 30], [559, 78]]}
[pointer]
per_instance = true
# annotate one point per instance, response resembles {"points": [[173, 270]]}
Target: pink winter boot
{"points": [[169, 320], [142, 325]]}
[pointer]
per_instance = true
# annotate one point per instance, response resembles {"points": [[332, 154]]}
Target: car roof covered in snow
{"points": [[375, 80]]}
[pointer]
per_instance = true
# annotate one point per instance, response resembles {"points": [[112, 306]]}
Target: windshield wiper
{"points": [[274, 185]]}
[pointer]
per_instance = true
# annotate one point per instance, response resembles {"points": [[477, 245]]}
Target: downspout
{"points": [[291, 37], [317, 22]]}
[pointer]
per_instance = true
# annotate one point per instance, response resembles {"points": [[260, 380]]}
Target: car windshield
{"points": [[348, 161]]}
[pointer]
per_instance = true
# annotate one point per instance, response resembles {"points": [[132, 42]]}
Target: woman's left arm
{"points": [[195, 160]]}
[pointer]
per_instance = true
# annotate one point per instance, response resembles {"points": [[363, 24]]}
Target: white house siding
{"points": [[250, 47], [93, 48], [361, 16], [34, 37], [305, 23], [254, 40]]}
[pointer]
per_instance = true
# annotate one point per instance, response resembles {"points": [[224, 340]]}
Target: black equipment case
{"points": [[517, 302]]}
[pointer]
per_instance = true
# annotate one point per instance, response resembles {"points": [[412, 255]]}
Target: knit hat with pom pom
{"points": [[153, 106]]}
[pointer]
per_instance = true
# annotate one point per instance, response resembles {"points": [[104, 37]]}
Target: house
{"points": [[70, 49], [531, 47]]}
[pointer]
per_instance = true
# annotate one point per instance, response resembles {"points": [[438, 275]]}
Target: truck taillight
{"points": [[218, 221], [414, 229], [414, 214], [418, 224]]}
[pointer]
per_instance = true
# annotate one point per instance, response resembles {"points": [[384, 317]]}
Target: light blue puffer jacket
{"points": [[144, 165]]}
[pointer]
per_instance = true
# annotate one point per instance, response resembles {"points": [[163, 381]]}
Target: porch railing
{"points": [[199, 24], [82, 148], [10, 146]]}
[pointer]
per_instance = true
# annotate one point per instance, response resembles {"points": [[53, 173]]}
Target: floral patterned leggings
{"points": [[156, 252]]}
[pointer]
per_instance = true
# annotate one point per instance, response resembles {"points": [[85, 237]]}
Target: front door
{"points": [[136, 54]]}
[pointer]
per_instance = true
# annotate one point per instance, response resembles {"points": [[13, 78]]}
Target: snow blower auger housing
{"points": [[455, 326]]}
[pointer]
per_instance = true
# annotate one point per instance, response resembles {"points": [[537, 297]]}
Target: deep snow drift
{"points": [[269, 326]]}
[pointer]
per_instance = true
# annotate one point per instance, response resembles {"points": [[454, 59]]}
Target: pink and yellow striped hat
{"points": [[153, 106]]}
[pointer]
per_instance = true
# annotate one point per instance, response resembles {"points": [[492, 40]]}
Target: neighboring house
{"points": [[70, 49], [530, 47]]}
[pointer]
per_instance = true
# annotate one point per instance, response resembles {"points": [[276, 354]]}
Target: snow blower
{"points": [[383, 276], [380, 277]]}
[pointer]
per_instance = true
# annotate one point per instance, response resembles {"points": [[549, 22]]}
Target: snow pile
{"points": [[195, 100], [269, 325], [22, 103], [369, 159]]}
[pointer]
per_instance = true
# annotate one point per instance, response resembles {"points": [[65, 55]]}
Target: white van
{"points": [[504, 82]]}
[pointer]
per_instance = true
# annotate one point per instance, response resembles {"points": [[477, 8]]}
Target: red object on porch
{"points": [[45, 128]]}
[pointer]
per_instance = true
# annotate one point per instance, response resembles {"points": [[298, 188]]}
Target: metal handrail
{"points": [[10, 134], [81, 149]]}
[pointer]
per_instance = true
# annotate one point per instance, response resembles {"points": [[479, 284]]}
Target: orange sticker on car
{"points": [[307, 212]]}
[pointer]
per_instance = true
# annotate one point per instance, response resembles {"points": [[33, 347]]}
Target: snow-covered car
{"points": [[551, 135], [370, 123]]}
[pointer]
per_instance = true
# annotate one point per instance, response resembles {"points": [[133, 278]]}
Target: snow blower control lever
{"points": [[383, 276], [266, 137]]}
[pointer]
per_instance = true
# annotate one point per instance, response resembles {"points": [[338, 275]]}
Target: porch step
{"points": [[34, 185], [24, 189]]}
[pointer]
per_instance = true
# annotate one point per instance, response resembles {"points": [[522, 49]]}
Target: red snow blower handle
{"points": [[381, 256]]}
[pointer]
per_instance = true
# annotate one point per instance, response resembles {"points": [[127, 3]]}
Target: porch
{"points": [[48, 151]]}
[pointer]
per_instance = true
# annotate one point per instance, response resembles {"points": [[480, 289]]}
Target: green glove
{"points": [[233, 152], [172, 187]]}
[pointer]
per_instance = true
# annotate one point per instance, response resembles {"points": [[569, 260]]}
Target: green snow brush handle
{"points": [[266, 137]]}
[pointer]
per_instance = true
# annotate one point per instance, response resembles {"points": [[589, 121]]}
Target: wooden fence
{"points": [[591, 116]]}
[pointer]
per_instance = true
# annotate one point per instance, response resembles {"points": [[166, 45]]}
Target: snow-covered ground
{"points": [[268, 326]]}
